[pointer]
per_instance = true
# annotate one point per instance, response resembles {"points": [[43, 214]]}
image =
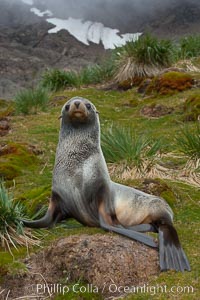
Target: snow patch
{"points": [[39, 13], [87, 31]]}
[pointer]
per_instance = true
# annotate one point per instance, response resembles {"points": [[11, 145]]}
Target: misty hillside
{"points": [[170, 17], [27, 47]]}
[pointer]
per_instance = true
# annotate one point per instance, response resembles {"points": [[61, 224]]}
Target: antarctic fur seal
{"points": [[82, 189]]}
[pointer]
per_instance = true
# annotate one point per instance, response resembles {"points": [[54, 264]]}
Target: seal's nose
{"points": [[77, 103]]}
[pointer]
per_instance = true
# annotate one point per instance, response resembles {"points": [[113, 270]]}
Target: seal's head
{"points": [[78, 111]]}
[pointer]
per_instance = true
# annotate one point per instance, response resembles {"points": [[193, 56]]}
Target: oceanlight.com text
{"points": [[112, 288], [151, 289]]}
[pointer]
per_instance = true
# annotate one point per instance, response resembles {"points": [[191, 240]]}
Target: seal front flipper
{"points": [[140, 237], [143, 228], [172, 256]]}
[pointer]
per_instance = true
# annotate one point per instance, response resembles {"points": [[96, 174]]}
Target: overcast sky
{"points": [[113, 13], [85, 7]]}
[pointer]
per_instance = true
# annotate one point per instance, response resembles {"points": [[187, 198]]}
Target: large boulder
{"points": [[107, 263]]}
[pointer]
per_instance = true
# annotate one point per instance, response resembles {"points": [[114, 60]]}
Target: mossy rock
{"points": [[144, 86], [191, 108], [170, 82], [14, 160], [129, 83], [4, 126]]}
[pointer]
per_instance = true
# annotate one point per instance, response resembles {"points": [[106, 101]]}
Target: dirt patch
{"points": [[12, 148], [144, 86], [99, 260], [4, 126], [156, 110]]}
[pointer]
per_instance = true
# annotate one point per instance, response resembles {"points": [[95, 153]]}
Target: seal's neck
{"points": [[81, 131]]}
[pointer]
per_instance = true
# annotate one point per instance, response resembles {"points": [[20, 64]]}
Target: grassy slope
{"points": [[34, 184]]}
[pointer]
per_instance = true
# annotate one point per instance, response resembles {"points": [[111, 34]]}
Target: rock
{"points": [[169, 83], [144, 85], [4, 126], [105, 261]]}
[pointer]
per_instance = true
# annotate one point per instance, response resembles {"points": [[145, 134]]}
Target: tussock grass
{"points": [[97, 73], [58, 79], [189, 47], [189, 143], [31, 100], [12, 232], [123, 145], [143, 58]]}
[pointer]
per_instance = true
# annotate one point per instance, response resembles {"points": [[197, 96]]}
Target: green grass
{"points": [[97, 73], [145, 57], [117, 109], [56, 80], [122, 144], [189, 47], [31, 100]]}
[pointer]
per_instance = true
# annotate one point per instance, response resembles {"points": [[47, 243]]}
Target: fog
{"points": [[112, 13], [103, 8]]}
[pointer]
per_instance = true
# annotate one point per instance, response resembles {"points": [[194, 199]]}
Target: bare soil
{"points": [[156, 111], [4, 126], [100, 260]]}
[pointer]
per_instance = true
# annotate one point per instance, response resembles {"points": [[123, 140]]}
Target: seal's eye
{"points": [[67, 107], [88, 105]]}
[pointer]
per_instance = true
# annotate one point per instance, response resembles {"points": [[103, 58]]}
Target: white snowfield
{"points": [[86, 31], [39, 13], [29, 2]]}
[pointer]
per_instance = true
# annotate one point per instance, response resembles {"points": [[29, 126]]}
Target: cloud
{"points": [[112, 13]]}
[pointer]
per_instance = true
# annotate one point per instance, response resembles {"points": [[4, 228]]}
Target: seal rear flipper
{"points": [[52, 216], [172, 256], [140, 237], [45, 222]]}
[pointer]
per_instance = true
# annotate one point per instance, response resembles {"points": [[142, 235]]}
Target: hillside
{"points": [[27, 154], [27, 48], [147, 95]]}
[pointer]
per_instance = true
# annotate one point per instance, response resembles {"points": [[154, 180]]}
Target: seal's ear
{"points": [[60, 117], [97, 112]]}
